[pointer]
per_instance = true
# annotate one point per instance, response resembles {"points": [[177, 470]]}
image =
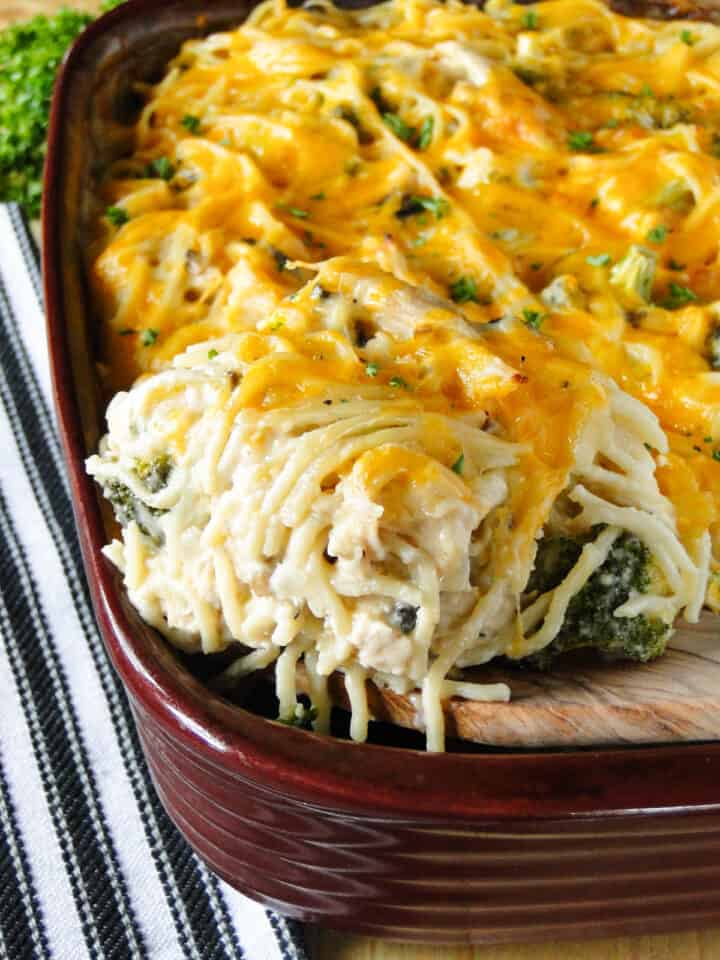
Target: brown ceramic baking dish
{"points": [[480, 846]]}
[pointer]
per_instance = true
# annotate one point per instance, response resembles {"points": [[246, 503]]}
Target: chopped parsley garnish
{"points": [[127, 331], [148, 337], [293, 211], [657, 234], [212, 353], [678, 296], [425, 135], [372, 369], [716, 455], [457, 467], [674, 265], [646, 90], [687, 37], [532, 318], [530, 20], [160, 168], [396, 381], [464, 290], [398, 126], [191, 123], [416, 203], [599, 260], [318, 196], [117, 216], [581, 140]]}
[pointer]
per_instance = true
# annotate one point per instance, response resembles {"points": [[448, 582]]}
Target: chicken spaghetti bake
{"points": [[410, 317]]}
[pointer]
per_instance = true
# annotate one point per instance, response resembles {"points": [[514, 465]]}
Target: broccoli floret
{"points": [[590, 619], [155, 473], [713, 348], [634, 275], [302, 718], [555, 558], [657, 113], [127, 507]]}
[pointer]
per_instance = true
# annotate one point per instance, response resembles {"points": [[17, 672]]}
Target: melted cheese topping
{"points": [[500, 214]]}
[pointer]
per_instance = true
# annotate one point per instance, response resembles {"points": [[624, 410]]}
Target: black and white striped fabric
{"points": [[90, 865]]}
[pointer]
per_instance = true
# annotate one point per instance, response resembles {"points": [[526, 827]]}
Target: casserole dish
{"points": [[480, 846]]}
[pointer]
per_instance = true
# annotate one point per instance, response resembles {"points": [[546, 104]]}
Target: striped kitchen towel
{"points": [[90, 864]]}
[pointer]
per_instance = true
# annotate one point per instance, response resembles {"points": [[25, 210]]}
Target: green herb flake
{"points": [[532, 318], [707, 439], [457, 467], [372, 369], [599, 260], [646, 90], [425, 135], [464, 290], [581, 140], [212, 353], [530, 20], [687, 38], [413, 204], [293, 211], [678, 296], [716, 455], [396, 381], [191, 123], [657, 234], [127, 331], [149, 336], [318, 196], [161, 169], [674, 265], [117, 216], [398, 126]]}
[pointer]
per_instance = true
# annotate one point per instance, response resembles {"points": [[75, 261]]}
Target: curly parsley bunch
{"points": [[30, 54]]}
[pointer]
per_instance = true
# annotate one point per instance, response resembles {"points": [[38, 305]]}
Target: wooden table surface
{"points": [[324, 945]]}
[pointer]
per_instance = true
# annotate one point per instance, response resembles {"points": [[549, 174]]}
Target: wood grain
{"points": [[583, 703], [325, 945], [704, 945]]}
